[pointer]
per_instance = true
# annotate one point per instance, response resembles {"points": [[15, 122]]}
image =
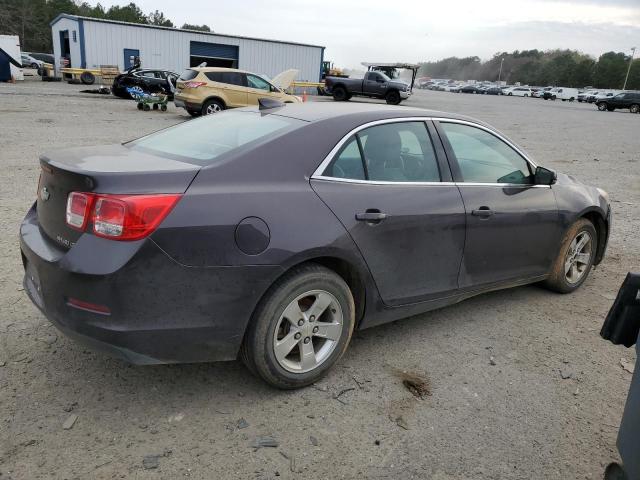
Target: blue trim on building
{"points": [[83, 58]]}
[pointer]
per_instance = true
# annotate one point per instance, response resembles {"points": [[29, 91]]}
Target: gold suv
{"points": [[205, 90]]}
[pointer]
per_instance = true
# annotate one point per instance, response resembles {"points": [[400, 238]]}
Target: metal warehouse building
{"points": [[91, 42]]}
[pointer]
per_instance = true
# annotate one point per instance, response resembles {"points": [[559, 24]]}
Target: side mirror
{"points": [[544, 176]]}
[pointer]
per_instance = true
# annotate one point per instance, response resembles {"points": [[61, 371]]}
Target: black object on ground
{"points": [[622, 327]]}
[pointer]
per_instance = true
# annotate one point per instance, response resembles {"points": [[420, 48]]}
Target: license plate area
{"points": [[32, 285]]}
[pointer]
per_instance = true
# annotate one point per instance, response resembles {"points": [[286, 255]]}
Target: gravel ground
{"points": [[498, 406]]}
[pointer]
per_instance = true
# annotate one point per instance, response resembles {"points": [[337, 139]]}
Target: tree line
{"points": [[29, 19], [568, 68]]}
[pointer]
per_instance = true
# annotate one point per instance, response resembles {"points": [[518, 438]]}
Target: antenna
{"points": [[268, 103]]}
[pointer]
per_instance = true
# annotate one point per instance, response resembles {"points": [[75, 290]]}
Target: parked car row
{"points": [[605, 100]]}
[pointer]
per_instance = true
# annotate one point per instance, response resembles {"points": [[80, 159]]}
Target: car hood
{"points": [[399, 83], [284, 79]]}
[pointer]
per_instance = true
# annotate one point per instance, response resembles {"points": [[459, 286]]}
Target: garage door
{"points": [[215, 54]]}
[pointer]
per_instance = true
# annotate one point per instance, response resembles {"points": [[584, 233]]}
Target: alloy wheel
{"points": [[578, 258], [213, 108], [308, 331], [136, 90]]}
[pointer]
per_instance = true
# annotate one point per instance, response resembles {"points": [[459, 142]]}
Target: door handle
{"points": [[371, 216], [482, 212]]}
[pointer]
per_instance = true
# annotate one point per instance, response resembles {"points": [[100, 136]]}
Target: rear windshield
{"points": [[188, 74], [205, 140]]}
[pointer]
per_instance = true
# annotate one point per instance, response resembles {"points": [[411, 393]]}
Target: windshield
{"points": [[204, 140]]}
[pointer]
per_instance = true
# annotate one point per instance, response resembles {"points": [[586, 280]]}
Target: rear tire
{"points": [[275, 320], [635, 108], [340, 94], [574, 261], [602, 106], [393, 98], [212, 106]]}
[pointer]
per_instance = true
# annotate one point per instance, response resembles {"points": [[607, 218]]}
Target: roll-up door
{"points": [[214, 54]]}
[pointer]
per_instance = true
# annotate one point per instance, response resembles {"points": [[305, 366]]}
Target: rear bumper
{"points": [[183, 101], [160, 311]]}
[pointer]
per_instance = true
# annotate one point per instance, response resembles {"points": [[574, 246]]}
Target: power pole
{"points": [[633, 51], [500, 73]]}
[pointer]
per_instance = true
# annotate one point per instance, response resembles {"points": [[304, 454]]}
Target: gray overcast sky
{"points": [[418, 30]]}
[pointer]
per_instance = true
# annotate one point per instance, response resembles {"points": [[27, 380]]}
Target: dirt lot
{"points": [[499, 405]]}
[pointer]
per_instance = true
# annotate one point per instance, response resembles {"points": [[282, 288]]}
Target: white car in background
{"points": [[519, 92], [582, 97], [602, 95], [29, 62]]}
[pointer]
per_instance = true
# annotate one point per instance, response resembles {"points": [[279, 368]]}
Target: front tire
{"points": [[300, 328], [635, 108], [575, 258], [393, 98]]}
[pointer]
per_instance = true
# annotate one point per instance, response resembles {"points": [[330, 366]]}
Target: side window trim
{"points": [[364, 162], [431, 134], [453, 162]]}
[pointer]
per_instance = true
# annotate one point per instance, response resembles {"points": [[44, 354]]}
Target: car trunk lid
{"points": [[113, 169]]}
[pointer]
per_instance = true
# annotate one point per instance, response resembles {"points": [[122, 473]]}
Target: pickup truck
{"points": [[374, 84]]}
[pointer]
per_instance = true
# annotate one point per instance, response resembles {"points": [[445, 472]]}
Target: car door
{"points": [[232, 84], [258, 87], [512, 224], [374, 84], [384, 183]]}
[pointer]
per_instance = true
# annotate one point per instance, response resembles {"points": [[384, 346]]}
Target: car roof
{"points": [[318, 111]]}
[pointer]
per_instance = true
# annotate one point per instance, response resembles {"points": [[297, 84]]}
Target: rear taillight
{"points": [[78, 205], [119, 217], [194, 84]]}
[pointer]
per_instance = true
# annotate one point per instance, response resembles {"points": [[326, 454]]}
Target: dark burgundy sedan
{"points": [[272, 234]]}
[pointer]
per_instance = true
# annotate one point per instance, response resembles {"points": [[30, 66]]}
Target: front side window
{"points": [[257, 82], [393, 152], [484, 158]]}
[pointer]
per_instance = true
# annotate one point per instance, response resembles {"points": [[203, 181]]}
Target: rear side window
{"points": [[230, 78], [188, 74], [204, 140], [348, 162], [394, 152]]}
